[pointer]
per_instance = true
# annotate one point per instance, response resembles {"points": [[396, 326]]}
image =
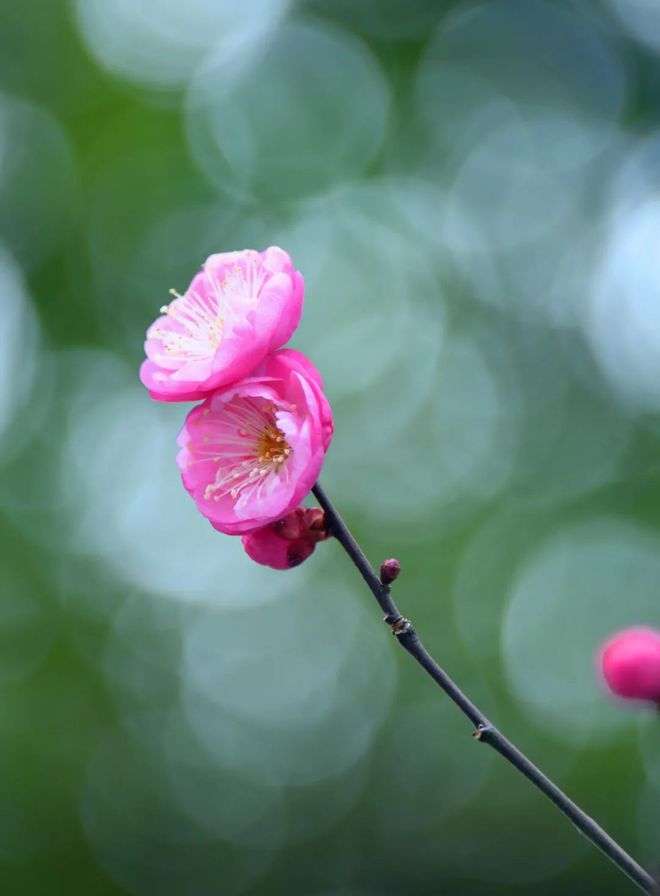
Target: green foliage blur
{"points": [[472, 191]]}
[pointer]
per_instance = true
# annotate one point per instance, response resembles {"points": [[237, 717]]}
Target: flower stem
{"points": [[484, 730]]}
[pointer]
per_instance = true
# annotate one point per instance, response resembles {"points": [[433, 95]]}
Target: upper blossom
{"points": [[237, 310], [250, 453]]}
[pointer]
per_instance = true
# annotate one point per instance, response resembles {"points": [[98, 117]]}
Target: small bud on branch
{"points": [[389, 570]]}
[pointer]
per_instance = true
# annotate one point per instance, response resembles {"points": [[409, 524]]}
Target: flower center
{"points": [[249, 448], [197, 320], [240, 286], [195, 330], [272, 447]]}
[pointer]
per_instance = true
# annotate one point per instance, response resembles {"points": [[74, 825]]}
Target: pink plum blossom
{"points": [[288, 541], [251, 452], [238, 309], [630, 664]]}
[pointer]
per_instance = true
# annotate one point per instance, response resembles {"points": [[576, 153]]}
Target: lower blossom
{"points": [[250, 453]]}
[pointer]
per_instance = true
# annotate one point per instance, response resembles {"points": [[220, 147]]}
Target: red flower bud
{"points": [[290, 526], [630, 663], [314, 523], [287, 542], [389, 570]]}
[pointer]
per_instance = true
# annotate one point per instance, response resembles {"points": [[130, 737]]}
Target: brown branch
{"points": [[484, 731]]}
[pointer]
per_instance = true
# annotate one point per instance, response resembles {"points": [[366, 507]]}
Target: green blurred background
{"points": [[472, 193]]}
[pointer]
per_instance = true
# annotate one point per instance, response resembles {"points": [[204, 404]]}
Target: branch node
{"points": [[399, 625], [481, 732]]}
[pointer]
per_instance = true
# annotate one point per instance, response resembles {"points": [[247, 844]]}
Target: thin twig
{"points": [[484, 730]]}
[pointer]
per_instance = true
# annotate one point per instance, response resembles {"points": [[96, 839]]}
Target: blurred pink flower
{"points": [[240, 307], [250, 453], [288, 541], [630, 664]]}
